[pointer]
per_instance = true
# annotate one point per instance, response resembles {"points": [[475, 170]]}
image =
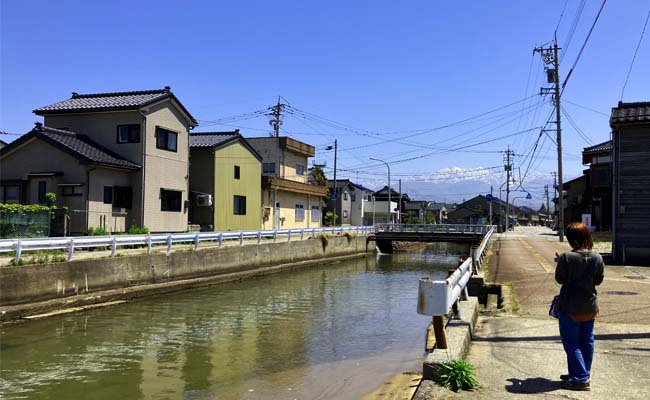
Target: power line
{"points": [[593, 25], [586, 108], [575, 126], [635, 51]]}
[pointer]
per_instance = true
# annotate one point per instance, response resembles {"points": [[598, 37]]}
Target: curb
{"points": [[459, 337]]}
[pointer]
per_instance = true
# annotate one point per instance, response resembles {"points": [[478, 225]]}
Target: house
{"points": [[360, 197], [225, 182], [341, 203], [2, 144], [575, 203], [630, 123], [288, 200], [425, 212], [115, 159], [598, 192], [381, 195], [477, 211]]}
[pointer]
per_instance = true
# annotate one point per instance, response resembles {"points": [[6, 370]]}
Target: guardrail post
{"points": [[259, 237], [220, 239], [196, 242], [289, 235], [19, 249], [454, 308], [148, 244], [439, 332], [313, 232], [70, 249], [241, 238], [302, 234], [169, 244], [113, 246], [476, 260], [275, 235]]}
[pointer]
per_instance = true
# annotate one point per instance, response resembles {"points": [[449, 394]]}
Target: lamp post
{"points": [[388, 208], [336, 191]]}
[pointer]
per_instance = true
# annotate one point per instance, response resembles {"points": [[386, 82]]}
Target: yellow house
{"points": [[289, 201], [225, 182]]}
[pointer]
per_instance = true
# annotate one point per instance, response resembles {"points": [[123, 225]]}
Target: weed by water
{"points": [[514, 303], [456, 375]]}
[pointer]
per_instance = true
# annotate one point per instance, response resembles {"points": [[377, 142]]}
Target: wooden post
{"points": [[439, 332]]}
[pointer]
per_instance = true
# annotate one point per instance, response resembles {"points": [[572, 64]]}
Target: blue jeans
{"points": [[578, 342]]}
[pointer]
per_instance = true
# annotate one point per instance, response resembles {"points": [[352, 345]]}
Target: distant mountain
{"points": [[456, 184]]}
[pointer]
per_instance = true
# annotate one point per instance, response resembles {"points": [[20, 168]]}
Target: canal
{"points": [[333, 331]]}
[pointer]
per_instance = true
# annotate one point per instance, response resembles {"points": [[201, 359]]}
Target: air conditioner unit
{"points": [[204, 200]]}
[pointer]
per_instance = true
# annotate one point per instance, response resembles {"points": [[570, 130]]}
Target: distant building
{"points": [[381, 195], [288, 200], [599, 184], [225, 182], [477, 211], [630, 123]]}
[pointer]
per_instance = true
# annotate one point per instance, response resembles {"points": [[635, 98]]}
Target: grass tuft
{"points": [[456, 375]]}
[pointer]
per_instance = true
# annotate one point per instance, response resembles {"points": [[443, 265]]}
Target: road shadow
{"points": [[532, 385]]}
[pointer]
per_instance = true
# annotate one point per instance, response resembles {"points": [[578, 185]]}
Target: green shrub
{"points": [[50, 199], [97, 231], [59, 258], [456, 375], [138, 230], [17, 263]]}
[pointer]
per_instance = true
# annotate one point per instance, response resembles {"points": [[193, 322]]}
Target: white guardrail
{"points": [[435, 228], [17, 246]]}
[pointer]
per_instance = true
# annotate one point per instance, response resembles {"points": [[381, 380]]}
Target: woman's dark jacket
{"points": [[580, 297]]}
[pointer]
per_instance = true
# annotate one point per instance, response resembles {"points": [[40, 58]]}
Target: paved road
{"points": [[520, 354]]}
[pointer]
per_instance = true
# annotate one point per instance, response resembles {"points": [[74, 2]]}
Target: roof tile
{"points": [[630, 113]]}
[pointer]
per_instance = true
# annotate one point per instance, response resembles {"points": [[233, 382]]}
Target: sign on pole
{"points": [[488, 197]]}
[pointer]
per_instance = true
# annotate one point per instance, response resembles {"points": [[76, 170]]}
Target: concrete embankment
{"points": [[37, 289]]}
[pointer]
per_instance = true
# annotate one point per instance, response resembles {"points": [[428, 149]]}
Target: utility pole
{"points": [[491, 205], [548, 210], [550, 56], [336, 191], [554, 174], [399, 203], [508, 168], [276, 120]]}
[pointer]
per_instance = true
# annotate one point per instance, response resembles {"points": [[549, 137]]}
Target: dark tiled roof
{"points": [[360, 187], [77, 145], [212, 139], [215, 140], [630, 113], [111, 102], [600, 147]]}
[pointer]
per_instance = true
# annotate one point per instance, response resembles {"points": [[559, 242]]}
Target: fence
{"points": [[437, 298], [29, 224], [435, 228], [17, 246]]}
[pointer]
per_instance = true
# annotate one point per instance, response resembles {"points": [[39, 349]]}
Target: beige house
{"points": [[147, 132], [225, 182], [288, 200]]}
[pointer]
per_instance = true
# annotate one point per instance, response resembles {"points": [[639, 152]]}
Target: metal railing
{"points": [[17, 246], [478, 253], [434, 228]]}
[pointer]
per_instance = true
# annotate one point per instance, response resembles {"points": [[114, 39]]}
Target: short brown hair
{"points": [[579, 236]]}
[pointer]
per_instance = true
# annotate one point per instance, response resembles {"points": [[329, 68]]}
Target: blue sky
{"points": [[380, 70]]}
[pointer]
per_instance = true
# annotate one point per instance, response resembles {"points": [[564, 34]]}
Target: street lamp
{"points": [[388, 208], [336, 191]]}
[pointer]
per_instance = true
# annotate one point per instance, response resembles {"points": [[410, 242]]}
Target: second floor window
{"points": [[170, 200], [345, 195], [166, 139], [300, 212], [236, 171], [353, 197], [239, 205], [268, 168], [128, 133], [300, 169]]}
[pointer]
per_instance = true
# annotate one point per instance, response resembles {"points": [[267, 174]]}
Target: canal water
{"points": [[333, 331]]}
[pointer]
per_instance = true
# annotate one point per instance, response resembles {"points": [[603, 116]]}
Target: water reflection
{"points": [[303, 332]]}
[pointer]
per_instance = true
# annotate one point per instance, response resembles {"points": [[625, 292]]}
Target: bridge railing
{"points": [[112, 242], [434, 228]]}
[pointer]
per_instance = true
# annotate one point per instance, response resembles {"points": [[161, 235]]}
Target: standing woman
{"points": [[579, 271]]}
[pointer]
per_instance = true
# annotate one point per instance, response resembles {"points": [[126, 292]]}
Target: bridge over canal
{"points": [[386, 234]]}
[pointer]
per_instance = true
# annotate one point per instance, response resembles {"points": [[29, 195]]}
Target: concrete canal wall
{"points": [[33, 289]]}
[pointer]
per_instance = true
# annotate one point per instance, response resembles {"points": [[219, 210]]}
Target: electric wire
{"points": [[629, 71]]}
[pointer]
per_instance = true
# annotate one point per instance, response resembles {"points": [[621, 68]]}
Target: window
{"points": [[236, 171], [10, 194], [42, 188], [300, 169], [345, 213], [345, 195], [300, 212], [166, 139], [315, 213], [71, 190], [239, 205], [128, 133], [353, 197], [108, 195], [170, 200], [268, 168], [122, 196]]}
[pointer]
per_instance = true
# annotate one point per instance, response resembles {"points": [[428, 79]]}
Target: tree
{"points": [[328, 219], [317, 177], [410, 218]]}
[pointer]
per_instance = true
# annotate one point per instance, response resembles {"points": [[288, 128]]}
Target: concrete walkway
{"points": [[520, 354]]}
